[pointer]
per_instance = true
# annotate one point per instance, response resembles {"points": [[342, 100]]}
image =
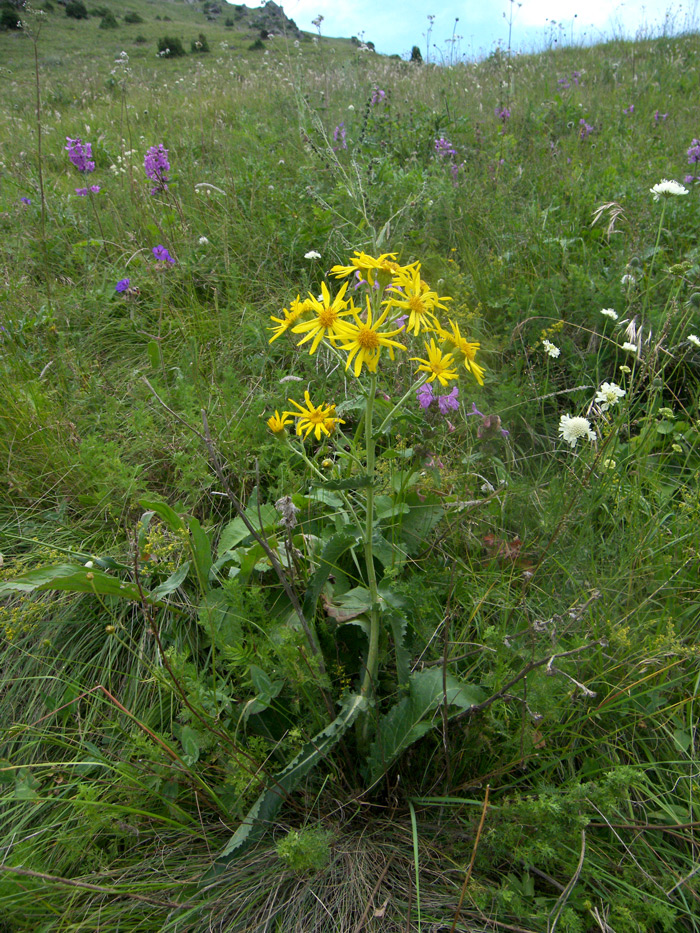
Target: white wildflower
{"points": [[203, 241], [550, 349], [694, 339], [571, 428], [609, 394], [627, 279], [630, 347], [666, 188], [609, 312], [312, 254]]}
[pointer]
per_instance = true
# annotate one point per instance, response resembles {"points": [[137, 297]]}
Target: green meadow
{"points": [[349, 460]]}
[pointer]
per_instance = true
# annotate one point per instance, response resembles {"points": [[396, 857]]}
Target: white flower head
{"points": [[550, 349], [203, 241], [630, 347], [571, 428], [609, 312], [609, 464], [627, 279], [312, 254], [609, 394], [694, 339], [667, 189]]}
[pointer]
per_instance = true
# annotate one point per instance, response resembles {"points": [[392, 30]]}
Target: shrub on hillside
{"points": [[109, 21], [256, 46], [199, 44], [170, 47], [132, 18], [76, 9], [9, 18]]}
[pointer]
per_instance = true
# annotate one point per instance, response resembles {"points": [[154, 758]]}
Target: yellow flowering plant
{"points": [[396, 306]]}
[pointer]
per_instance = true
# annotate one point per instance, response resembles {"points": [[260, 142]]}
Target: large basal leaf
{"points": [[267, 805], [333, 550], [72, 579], [406, 722]]}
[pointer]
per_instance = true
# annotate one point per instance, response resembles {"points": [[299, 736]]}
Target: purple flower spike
{"points": [[157, 166], [377, 95], [25, 201], [122, 285], [449, 402], [694, 152], [339, 137], [162, 254], [80, 154], [425, 395]]}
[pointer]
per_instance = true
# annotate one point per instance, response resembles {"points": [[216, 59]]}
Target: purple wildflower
{"points": [[378, 95], [449, 402], [474, 411], [122, 285], [659, 117], [84, 192], [425, 395], [503, 114], [25, 201], [575, 75], [339, 137], [157, 166], [629, 110], [586, 129], [689, 179], [694, 152], [564, 83], [444, 147], [80, 154], [162, 254]]}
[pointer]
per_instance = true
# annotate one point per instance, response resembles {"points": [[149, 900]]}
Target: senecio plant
{"points": [[392, 309]]}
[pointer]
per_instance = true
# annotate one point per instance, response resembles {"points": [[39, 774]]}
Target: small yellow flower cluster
{"points": [[20, 617], [398, 302]]}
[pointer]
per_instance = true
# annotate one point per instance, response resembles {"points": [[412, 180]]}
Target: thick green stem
{"points": [[372, 666]]}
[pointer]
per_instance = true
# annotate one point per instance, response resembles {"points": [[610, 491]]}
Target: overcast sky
{"points": [[396, 25]]}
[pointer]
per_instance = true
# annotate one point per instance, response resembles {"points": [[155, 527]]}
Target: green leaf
{"points": [[189, 740], [399, 626], [333, 550], [218, 619], [164, 512], [266, 807], [352, 482], [73, 579], [407, 721], [201, 551], [172, 583], [236, 530], [154, 357]]}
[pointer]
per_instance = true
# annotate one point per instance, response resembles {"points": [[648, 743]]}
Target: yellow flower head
{"points": [[278, 423], [369, 268], [439, 365], [464, 349], [416, 297], [297, 310], [364, 340], [327, 315], [319, 419]]}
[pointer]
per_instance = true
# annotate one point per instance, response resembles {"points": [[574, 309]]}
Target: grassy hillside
{"points": [[431, 663]]}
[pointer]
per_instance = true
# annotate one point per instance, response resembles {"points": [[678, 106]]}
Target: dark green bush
{"points": [[228, 22], [416, 55], [9, 18], [76, 9], [199, 44], [170, 47], [256, 46], [109, 21], [133, 18]]}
